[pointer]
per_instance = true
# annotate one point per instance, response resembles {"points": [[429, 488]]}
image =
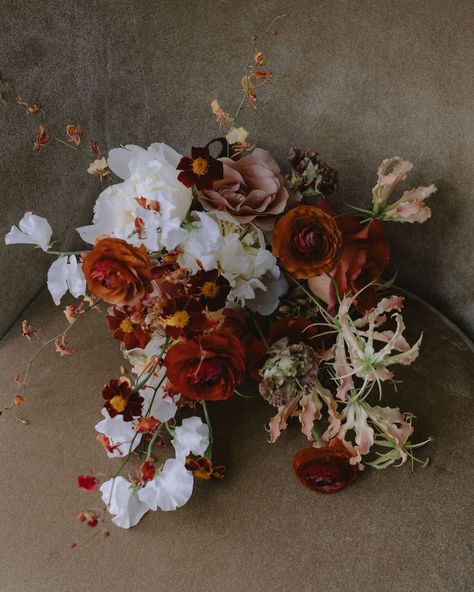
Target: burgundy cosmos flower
{"points": [[201, 169], [327, 469], [209, 288], [127, 330], [120, 399], [183, 316]]}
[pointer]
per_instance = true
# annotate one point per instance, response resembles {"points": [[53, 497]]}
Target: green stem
{"points": [[65, 253], [259, 330], [247, 65], [239, 394], [208, 452], [317, 438], [52, 340], [152, 443]]}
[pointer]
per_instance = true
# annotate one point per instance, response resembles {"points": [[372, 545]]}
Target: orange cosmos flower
{"points": [[307, 242], [42, 139], [74, 133]]}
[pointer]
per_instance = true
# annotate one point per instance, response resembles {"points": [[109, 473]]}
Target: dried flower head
{"points": [[289, 372], [309, 175]]}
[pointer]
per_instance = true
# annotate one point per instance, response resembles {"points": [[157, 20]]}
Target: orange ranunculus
{"points": [[307, 242], [207, 367], [117, 272], [364, 257]]}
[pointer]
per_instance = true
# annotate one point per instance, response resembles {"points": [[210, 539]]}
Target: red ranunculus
{"points": [[300, 330], [207, 367], [327, 469], [364, 257]]}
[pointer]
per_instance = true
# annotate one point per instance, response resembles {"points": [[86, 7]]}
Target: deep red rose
{"points": [[327, 469], [255, 349], [206, 368], [364, 257], [300, 330]]}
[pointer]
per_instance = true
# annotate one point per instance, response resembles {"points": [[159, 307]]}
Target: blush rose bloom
{"points": [[251, 190], [364, 257]]}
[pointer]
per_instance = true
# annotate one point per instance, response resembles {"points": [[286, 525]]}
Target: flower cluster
{"points": [[222, 273]]}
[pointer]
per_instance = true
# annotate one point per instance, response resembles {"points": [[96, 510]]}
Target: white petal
{"points": [[171, 489], [120, 158], [34, 230], [119, 432], [76, 280], [166, 154], [191, 436], [91, 233], [266, 301], [17, 237], [57, 279], [163, 406], [120, 498]]}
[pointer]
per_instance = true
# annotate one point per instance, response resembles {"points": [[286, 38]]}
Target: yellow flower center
{"points": [[210, 289], [200, 166], [126, 325], [179, 319], [118, 403]]}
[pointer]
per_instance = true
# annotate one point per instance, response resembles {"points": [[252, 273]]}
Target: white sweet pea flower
{"points": [[121, 499], [243, 259], [120, 434], [141, 358], [149, 206], [192, 436], [34, 230], [237, 135], [267, 299], [125, 161], [98, 167], [170, 489], [201, 244], [160, 405], [66, 274]]}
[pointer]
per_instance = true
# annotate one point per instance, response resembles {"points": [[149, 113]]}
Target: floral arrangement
{"points": [[220, 275]]}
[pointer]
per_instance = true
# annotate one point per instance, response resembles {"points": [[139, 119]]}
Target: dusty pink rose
{"points": [[252, 190]]}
